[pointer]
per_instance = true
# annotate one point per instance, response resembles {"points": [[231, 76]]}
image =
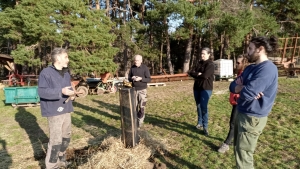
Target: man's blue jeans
{"points": [[201, 98]]}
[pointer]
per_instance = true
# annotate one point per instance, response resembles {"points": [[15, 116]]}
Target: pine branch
{"points": [[32, 47], [294, 22]]}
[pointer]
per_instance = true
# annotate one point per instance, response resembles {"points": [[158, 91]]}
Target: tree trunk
{"points": [[152, 65], [171, 69], [126, 61], [193, 59], [246, 43], [170, 66], [211, 42], [107, 8], [199, 47], [97, 5], [187, 56], [161, 52], [142, 10], [222, 45], [251, 4], [234, 63], [124, 13], [228, 43], [168, 48], [44, 59]]}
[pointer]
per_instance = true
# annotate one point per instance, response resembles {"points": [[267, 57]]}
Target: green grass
{"points": [[171, 118]]}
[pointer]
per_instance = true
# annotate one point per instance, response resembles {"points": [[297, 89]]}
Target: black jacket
{"points": [[205, 80], [141, 71]]}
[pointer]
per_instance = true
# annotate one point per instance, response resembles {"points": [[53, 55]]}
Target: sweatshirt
{"points": [[205, 80], [141, 71], [262, 77], [50, 84], [233, 97]]}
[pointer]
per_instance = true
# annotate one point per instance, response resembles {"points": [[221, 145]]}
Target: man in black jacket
{"points": [[139, 75]]}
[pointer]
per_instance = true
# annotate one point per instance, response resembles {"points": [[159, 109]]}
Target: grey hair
{"points": [[56, 52], [140, 56], [208, 50]]}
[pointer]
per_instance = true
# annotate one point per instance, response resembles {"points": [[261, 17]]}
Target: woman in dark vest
{"points": [[203, 73]]}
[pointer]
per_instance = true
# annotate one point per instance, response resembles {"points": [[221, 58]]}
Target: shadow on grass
{"points": [[98, 128], [36, 135], [6, 160], [93, 124], [169, 124], [159, 121], [115, 108], [172, 160], [174, 125]]}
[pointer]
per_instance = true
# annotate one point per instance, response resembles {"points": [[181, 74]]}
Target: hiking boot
{"points": [[224, 147], [199, 126], [205, 131], [63, 163]]}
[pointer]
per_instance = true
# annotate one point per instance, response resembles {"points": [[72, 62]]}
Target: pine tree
{"points": [[34, 25], [286, 13]]}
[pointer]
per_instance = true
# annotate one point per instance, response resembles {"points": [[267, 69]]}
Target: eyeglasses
{"points": [[238, 63]]}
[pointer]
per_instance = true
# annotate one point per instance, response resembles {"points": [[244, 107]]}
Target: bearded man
{"points": [[257, 87]]}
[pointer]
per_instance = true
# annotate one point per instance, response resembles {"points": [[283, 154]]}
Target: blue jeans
{"points": [[201, 98]]}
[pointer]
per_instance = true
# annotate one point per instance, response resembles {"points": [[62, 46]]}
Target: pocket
{"points": [[249, 130], [253, 121], [247, 141]]}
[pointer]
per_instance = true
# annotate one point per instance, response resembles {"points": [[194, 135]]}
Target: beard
{"points": [[253, 57]]}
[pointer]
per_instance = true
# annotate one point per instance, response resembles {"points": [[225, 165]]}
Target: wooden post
{"points": [[128, 117], [294, 50], [284, 49]]}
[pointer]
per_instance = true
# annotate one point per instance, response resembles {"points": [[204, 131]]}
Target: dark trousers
{"points": [[231, 125]]}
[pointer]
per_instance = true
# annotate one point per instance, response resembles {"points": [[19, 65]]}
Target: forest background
{"points": [[103, 36]]}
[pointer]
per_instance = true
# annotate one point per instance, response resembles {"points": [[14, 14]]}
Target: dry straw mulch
{"points": [[112, 154]]}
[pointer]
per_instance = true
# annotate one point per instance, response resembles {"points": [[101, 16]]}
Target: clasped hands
{"points": [[136, 78], [195, 74], [240, 86], [69, 92]]}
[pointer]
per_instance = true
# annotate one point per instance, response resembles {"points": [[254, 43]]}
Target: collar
{"points": [[62, 71]]}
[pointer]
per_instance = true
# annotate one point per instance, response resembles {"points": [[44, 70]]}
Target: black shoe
{"points": [[205, 132]]}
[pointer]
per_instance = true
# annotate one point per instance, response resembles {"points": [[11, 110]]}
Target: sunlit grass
{"points": [[171, 116]]}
